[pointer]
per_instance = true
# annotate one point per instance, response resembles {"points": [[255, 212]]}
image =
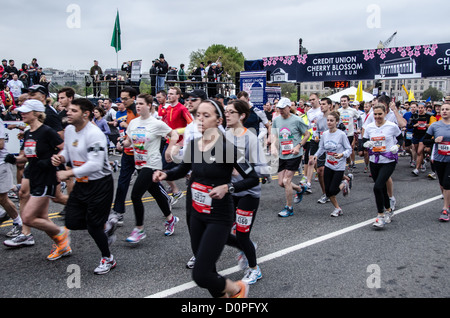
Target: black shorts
{"points": [[312, 151], [443, 173], [89, 204], [289, 164], [306, 149], [43, 190]]}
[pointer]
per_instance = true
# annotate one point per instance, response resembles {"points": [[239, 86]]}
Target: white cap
{"points": [[284, 102], [31, 105]]}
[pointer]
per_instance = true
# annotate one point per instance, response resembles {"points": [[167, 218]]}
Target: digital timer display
{"points": [[337, 84]]}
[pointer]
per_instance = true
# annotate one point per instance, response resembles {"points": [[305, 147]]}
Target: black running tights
{"points": [[208, 241], [144, 183], [381, 172]]}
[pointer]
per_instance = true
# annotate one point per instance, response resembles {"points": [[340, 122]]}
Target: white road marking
{"points": [[280, 253]]}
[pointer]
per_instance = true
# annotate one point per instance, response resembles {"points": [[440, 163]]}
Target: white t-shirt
{"points": [[145, 135], [16, 88], [384, 138], [348, 115], [313, 114], [87, 150]]}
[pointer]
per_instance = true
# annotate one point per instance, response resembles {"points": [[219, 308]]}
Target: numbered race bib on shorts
{"points": [[201, 201], [243, 220], [444, 148]]}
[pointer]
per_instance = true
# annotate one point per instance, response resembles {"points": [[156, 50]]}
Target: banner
{"points": [[432, 60], [254, 83], [136, 71]]}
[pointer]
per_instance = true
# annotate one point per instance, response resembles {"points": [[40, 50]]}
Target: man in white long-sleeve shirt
{"points": [[88, 206]]}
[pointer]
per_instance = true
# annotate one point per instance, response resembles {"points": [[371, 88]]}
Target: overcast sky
{"points": [[258, 28]]}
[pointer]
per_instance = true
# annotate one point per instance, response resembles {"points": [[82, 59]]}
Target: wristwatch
{"points": [[230, 188]]}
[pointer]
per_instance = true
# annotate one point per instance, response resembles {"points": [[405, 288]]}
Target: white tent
{"points": [[351, 92]]}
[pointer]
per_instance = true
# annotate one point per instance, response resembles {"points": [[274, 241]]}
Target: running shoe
{"points": [[243, 293], [432, 176], [286, 212], [116, 165], [170, 226], [176, 196], [16, 230], [412, 164], [20, 240], [336, 213], [116, 217], [299, 194], [106, 264], [323, 199], [345, 189], [58, 252], [366, 169], [444, 216], [423, 168], [190, 264], [252, 276], [62, 246], [350, 182], [388, 215], [415, 172], [308, 188], [379, 222], [136, 236]]}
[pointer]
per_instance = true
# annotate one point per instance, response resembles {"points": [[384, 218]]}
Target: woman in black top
{"points": [[40, 143], [212, 160]]}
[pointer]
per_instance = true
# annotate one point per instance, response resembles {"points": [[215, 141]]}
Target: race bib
{"points": [[30, 149], [409, 135], [140, 157], [243, 220], [422, 125], [201, 201], [331, 159], [379, 144], [79, 164], [444, 148], [286, 146]]}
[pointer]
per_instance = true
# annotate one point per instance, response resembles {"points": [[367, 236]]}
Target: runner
{"points": [[382, 138], [335, 144], [90, 201], [320, 127], [6, 184], [419, 123], [246, 202], [440, 157], [287, 132], [362, 152], [144, 134], [348, 116], [40, 143], [313, 112], [127, 168], [209, 197]]}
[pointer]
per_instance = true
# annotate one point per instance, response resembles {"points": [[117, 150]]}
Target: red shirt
{"points": [[176, 117]]}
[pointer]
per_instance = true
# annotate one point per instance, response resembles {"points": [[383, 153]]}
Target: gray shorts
{"points": [[6, 180]]}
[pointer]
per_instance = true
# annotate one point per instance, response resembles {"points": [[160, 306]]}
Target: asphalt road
{"points": [[308, 255]]}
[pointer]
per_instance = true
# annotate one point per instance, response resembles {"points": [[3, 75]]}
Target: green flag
{"points": [[115, 42]]}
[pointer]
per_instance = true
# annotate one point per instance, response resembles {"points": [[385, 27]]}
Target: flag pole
{"points": [[117, 62]]}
